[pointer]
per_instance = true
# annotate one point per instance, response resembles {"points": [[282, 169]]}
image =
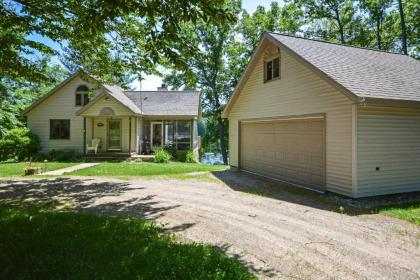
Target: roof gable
{"points": [[364, 72], [369, 76], [51, 92]]}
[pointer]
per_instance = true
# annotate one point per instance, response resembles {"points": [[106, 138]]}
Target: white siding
{"points": [[390, 140], [60, 105], [299, 92]]}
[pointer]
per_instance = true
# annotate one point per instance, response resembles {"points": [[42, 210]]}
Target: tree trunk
{"points": [[378, 33], [221, 128], [403, 27], [340, 26]]}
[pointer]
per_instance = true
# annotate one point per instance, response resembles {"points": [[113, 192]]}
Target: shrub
{"points": [[171, 149], [162, 156], [19, 143], [190, 157], [181, 156], [67, 155]]}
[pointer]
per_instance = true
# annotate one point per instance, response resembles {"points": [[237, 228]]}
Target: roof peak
{"points": [[335, 43]]}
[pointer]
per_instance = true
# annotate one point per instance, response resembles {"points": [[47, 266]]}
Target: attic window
{"points": [[272, 69], [82, 95]]}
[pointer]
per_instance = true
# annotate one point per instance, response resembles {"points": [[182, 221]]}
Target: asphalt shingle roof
{"points": [[161, 103], [118, 93], [364, 72]]}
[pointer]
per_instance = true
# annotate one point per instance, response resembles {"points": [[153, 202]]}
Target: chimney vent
{"points": [[164, 87]]}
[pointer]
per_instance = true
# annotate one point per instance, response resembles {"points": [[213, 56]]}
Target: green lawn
{"points": [[38, 242], [409, 212], [17, 169], [122, 169]]}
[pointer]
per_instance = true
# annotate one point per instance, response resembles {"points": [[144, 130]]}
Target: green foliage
{"points": [[171, 149], [131, 36], [409, 212], [162, 156], [18, 143], [66, 155], [85, 246], [17, 94], [181, 156], [190, 157]]}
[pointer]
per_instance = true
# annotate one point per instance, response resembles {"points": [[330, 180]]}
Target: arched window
{"points": [[82, 95]]}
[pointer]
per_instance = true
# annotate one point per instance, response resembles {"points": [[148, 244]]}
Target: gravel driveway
{"points": [[282, 235]]}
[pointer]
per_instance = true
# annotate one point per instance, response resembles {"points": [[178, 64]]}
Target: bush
{"points": [[190, 157], [171, 149], [162, 156], [67, 155], [19, 143], [181, 156]]}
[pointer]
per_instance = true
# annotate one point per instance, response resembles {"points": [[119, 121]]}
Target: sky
{"points": [[151, 82]]}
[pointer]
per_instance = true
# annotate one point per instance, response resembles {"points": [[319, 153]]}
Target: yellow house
{"points": [[328, 117], [125, 122]]}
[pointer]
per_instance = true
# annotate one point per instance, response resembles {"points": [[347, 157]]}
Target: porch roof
{"points": [[116, 93], [166, 103]]}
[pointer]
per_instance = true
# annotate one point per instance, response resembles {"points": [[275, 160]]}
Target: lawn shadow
{"points": [[87, 194], [257, 185], [257, 267]]}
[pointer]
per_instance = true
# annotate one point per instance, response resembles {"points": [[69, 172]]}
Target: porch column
{"points": [[84, 135], [129, 135]]}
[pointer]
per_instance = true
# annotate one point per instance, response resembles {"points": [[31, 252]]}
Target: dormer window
{"points": [[272, 69], [82, 96]]}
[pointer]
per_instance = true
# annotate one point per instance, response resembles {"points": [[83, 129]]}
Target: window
{"points": [[272, 69], [183, 135], [59, 129], [82, 96], [169, 133]]}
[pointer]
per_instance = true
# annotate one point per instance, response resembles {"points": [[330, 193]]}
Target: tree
{"points": [[210, 67], [377, 12], [288, 20], [17, 94], [338, 14], [403, 27], [88, 31]]}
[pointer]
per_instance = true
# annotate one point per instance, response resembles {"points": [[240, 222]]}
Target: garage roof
{"points": [[365, 72], [360, 73]]}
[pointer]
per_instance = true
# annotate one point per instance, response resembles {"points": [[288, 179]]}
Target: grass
{"points": [[409, 212], [127, 169], [17, 168], [39, 242]]}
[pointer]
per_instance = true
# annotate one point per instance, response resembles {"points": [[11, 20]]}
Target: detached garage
{"points": [[328, 117]]}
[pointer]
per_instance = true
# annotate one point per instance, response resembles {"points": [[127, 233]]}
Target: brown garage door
{"points": [[290, 150]]}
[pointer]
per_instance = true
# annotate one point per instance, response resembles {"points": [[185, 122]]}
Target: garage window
{"points": [[272, 69]]}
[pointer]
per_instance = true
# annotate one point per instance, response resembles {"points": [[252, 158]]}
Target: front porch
{"points": [[121, 130], [127, 136]]}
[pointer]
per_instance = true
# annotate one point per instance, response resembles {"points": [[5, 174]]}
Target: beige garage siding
{"points": [[388, 139], [300, 91], [290, 150]]}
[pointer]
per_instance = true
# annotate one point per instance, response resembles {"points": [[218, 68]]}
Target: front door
{"points": [[114, 135], [156, 136]]}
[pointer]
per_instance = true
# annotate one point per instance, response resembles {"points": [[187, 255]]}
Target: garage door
{"points": [[290, 150]]}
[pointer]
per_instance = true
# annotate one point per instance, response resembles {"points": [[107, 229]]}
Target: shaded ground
{"points": [[282, 232]]}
